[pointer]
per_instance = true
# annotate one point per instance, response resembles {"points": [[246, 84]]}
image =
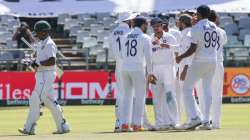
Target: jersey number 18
{"points": [[131, 47]]}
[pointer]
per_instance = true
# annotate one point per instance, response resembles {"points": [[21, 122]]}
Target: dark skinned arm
{"points": [[164, 45], [184, 73], [14, 37], [188, 53], [49, 62], [28, 32]]}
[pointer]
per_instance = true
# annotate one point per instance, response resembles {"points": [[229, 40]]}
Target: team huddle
{"points": [[172, 63]]}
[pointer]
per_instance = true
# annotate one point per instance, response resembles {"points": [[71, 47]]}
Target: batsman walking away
{"points": [[43, 93]]}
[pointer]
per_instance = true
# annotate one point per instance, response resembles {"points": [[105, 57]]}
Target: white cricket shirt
{"points": [[45, 49], [185, 45], [177, 34], [136, 51], [164, 56], [115, 39], [223, 41], [205, 34]]}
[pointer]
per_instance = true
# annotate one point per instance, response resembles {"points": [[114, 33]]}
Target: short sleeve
{"points": [[224, 37], [172, 41], [194, 35], [188, 40], [110, 46], [147, 43], [50, 50]]}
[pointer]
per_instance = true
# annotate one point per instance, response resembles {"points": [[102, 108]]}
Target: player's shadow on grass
{"points": [[14, 135], [167, 131], [108, 132], [178, 131], [173, 131]]}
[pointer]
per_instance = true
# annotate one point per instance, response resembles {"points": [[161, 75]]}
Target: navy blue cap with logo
{"points": [[155, 21]]}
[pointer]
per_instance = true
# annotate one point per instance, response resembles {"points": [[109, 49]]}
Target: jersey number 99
{"points": [[211, 39]]}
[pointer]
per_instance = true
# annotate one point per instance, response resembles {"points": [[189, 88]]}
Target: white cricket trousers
{"points": [[179, 97], [179, 93], [217, 94], [119, 97], [205, 72], [164, 96], [44, 93], [134, 84]]}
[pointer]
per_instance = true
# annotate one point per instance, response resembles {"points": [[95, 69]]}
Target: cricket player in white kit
{"points": [[204, 43], [185, 26], [163, 60], [136, 49], [218, 80], [115, 50], [45, 76], [177, 34], [217, 90]]}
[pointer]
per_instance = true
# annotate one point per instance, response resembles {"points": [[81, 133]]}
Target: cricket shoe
{"points": [[117, 124], [162, 127], [126, 128], [61, 132], [25, 132], [178, 127], [173, 126], [191, 125], [149, 127], [205, 126], [65, 129], [152, 129], [183, 127], [195, 122], [215, 127], [117, 130], [137, 128]]}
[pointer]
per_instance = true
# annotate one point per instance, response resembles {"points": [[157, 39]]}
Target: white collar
{"points": [[163, 34], [43, 42], [203, 20], [184, 31], [138, 29]]}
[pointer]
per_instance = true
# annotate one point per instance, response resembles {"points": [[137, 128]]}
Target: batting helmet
{"points": [[41, 25]]}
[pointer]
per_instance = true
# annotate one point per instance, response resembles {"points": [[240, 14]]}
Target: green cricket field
{"points": [[97, 123]]}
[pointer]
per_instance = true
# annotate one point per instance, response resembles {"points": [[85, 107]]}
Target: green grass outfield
{"points": [[96, 123]]}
